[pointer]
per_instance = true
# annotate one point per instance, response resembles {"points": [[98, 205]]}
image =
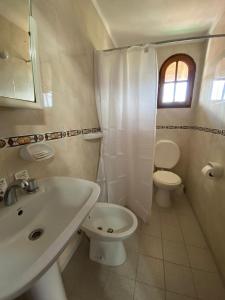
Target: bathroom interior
{"points": [[112, 150]]}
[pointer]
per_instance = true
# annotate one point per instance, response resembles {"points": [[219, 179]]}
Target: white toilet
{"points": [[107, 226], [167, 155]]}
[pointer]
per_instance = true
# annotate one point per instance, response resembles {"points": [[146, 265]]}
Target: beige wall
{"points": [[69, 31], [180, 116], [208, 196]]}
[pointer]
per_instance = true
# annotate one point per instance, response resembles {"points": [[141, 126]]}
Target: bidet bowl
{"points": [[109, 222], [107, 225]]}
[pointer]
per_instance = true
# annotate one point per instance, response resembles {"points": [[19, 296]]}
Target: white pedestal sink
{"points": [[35, 230]]}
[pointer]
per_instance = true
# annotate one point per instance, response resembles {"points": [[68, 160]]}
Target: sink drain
{"points": [[36, 234]]}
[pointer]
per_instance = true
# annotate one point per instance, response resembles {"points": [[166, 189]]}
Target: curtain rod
{"points": [[201, 37]]}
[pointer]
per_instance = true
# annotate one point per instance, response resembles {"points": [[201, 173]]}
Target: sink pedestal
{"points": [[49, 286]]}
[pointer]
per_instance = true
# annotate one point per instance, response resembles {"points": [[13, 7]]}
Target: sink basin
{"points": [[56, 210]]}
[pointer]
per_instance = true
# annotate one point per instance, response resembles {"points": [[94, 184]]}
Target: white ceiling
{"points": [[137, 21]]}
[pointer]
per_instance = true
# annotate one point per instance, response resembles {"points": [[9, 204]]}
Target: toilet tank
{"points": [[167, 154]]}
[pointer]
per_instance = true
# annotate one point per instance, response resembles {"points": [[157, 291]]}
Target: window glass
{"points": [[181, 90], [170, 72], [176, 82], [168, 92], [218, 90], [182, 71]]}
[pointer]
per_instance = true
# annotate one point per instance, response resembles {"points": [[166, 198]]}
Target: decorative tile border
{"points": [[198, 128], [74, 132], [15, 141], [173, 127], [55, 135], [35, 138], [24, 139], [2, 143]]}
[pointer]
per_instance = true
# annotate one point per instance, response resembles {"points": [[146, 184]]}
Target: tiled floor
{"points": [[168, 259]]}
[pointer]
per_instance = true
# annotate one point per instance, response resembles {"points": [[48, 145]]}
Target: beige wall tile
{"points": [[207, 196]]}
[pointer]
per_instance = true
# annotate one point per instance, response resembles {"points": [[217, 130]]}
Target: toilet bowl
{"points": [[107, 225], [167, 154]]}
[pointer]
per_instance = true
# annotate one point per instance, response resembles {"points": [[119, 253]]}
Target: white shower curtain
{"points": [[126, 90]]}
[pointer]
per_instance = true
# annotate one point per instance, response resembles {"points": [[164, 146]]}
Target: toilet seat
{"points": [[166, 157], [166, 178]]}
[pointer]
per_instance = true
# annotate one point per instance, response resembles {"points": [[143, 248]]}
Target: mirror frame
{"points": [[38, 103]]}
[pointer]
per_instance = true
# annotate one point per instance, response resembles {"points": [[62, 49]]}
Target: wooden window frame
{"points": [[191, 78]]}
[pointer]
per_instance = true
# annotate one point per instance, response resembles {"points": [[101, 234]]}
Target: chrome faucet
{"points": [[29, 186]]}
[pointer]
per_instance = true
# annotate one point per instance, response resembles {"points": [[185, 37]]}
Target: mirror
{"points": [[19, 72]]}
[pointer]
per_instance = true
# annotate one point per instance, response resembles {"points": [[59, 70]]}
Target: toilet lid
{"points": [[167, 178], [167, 154]]}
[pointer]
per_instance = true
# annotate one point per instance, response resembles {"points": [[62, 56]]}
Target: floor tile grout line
{"points": [[138, 259], [152, 286], [192, 274], [135, 285], [175, 263], [204, 248], [179, 264], [184, 295], [135, 280], [164, 269], [207, 243], [166, 290], [184, 242]]}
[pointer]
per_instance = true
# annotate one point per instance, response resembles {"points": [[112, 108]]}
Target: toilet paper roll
{"points": [[207, 171]]}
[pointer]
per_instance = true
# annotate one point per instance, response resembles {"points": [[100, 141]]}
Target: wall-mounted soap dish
{"points": [[92, 136], [36, 152]]}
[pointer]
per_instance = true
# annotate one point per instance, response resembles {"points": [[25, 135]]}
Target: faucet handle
{"points": [[23, 183], [32, 185]]}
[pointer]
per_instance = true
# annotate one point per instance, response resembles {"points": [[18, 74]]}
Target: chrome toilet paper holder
{"points": [[213, 170]]}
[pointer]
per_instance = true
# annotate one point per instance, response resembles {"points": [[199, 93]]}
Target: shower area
{"points": [[179, 250], [126, 103]]}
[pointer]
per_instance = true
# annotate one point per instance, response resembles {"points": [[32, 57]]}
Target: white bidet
{"points": [[107, 225]]}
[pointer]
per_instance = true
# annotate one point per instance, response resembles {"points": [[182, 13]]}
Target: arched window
{"points": [[176, 81]]}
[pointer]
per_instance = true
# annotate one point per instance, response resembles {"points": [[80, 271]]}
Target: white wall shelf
{"points": [[92, 136]]}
